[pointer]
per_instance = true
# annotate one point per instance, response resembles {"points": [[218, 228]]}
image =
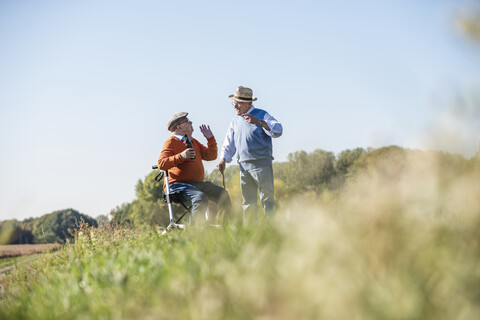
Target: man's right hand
{"points": [[221, 165], [187, 154]]}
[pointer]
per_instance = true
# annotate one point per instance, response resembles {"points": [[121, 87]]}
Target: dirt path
{"points": [[3, 271]]}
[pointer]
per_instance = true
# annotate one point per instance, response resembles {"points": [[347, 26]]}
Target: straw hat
{"points": [[243, 94], [175, 120]]}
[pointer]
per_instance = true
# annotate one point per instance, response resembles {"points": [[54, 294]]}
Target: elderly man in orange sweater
{"points": [[185, 167]]}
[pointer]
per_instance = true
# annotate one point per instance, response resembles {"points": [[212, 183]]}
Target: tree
{"points": [[386, 161], [307, 172], [346, 159], [49, 228], [150, 190], [121, 214], [54, 227], [344, 164]]}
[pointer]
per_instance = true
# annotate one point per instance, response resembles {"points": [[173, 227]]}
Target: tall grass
{"points": [[314, 265], [391, 245]]}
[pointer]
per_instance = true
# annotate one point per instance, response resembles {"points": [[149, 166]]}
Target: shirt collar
{"points": [[250, 110], [181, 137]]}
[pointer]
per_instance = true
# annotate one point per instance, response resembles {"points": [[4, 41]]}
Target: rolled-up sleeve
{"points": [[228, 148], [276, 128]]}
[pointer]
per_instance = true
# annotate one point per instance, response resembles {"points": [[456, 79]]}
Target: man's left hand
{"points": [[206, 131]]}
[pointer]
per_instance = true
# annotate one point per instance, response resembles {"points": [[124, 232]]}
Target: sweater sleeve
{"points": [[169, 157], [210, 152]]}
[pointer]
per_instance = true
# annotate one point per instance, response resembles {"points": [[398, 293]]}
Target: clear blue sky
{"points": [[87, 87]]}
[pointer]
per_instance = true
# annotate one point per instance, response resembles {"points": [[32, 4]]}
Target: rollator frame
{"points": [[168, 198]]}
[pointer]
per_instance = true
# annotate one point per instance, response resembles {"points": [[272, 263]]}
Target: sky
{"points": [[87, 87]]}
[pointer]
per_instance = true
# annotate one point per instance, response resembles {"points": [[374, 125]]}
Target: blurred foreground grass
{"points": [[313, 265], [399, 243]]}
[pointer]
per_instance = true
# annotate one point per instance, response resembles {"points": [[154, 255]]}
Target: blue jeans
{"points": [[257, 179], [198, 194]]}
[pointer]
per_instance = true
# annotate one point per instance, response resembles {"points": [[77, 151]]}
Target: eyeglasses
{"points": [[238, 104]]}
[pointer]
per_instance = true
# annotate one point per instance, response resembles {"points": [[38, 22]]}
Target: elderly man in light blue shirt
{"points": [[250, 137]]}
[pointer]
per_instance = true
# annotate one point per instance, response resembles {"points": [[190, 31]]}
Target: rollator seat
{"points": [[176, 197]]}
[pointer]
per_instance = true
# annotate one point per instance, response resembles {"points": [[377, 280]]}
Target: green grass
{"points": [[5, 262], [305, 264], [393, 243]]}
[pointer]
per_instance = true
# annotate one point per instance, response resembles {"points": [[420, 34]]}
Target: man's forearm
{"points": [[165, 162]]}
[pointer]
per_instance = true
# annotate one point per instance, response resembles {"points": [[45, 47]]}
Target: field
{"points": [[11, 255], [392, 244], [306, 264], [18, 250]]}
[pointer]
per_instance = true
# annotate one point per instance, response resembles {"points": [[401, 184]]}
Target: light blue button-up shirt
{"points": [[229, 148]]}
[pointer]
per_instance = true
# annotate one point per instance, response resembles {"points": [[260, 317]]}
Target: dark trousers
{"points": [[199, 193]]}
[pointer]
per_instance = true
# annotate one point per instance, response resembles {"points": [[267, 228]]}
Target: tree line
{"points": [[313, 173], [317, 173], [50, 228]]}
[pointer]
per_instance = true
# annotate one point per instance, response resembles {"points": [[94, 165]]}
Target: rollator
{"points": [[168, 198]]}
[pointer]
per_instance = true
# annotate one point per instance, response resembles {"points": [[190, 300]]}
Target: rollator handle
{"points": [[159, 176]]}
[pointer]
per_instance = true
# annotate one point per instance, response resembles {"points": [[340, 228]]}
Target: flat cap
{"points": [[175, 120]]}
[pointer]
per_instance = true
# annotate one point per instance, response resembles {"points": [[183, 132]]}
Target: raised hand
{"points": [[206, 131]]}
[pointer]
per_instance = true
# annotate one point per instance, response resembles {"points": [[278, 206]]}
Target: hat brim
{"points": [[232, 96]]}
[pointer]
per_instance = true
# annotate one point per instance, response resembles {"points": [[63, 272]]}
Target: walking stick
{"points": [[223, 180]]}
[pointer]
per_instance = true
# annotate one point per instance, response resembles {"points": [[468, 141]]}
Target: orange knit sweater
{"points": [[188, 169]]}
